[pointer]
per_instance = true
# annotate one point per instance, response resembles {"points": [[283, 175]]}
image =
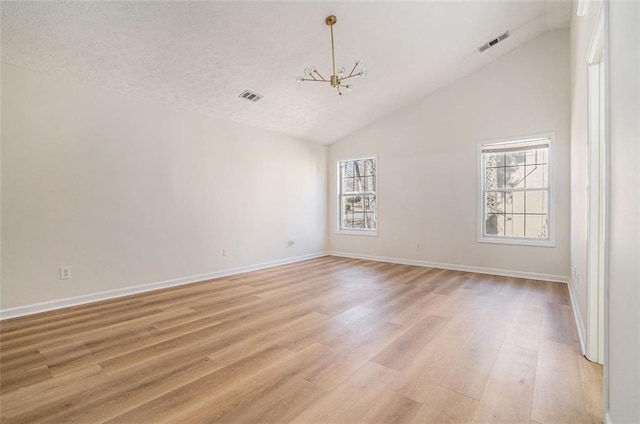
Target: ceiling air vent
{"points": [[250, 95], [494, 41]]}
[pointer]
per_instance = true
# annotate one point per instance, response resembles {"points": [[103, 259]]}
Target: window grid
{"points": [[500, 169], [357, 194]]}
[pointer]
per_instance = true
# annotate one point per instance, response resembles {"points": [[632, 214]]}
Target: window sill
{"points": [[369, 233], [517, 241]]}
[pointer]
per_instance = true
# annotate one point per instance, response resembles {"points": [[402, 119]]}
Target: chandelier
{"points": [[337, 79]]}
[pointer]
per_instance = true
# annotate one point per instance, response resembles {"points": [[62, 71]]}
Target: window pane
{"points": [[518, 225], [514, 225], [536, 226], [514, 176], [499, 178], [370, 184], [370, 222], [357, 183], [369, 167], [369, 203], [493, 224], [537, 156], [508, 225], [349, 211], [516, 202], [508, 202], [537, 176], [359, 212], [347, 185], [491, 178], [348, 169], [514, 158], [494, 202], [536, 202], [490, 160]]}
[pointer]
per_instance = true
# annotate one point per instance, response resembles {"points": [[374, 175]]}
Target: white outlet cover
{"points": [[65, 272]]}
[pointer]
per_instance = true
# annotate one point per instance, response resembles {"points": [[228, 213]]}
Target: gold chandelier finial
{"points": [[337, 78]]}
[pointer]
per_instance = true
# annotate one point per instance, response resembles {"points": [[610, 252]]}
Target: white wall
{"points": [[622, 366], [427, 155], [128, 192]]}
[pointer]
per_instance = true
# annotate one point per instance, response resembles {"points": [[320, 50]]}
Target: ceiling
{"points": [[202, 55]]}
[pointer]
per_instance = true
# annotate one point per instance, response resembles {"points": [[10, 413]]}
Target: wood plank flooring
{"points": [[329, 340]]}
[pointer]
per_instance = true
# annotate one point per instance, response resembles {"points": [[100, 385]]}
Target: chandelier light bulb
{"points": [[341, 72], [309, 70], [363, 72], [299, 79]]}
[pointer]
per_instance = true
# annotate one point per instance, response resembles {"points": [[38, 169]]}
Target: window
{"points": [[357, 196], [515, 191]]}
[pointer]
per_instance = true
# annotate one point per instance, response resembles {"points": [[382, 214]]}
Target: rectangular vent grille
{"points": [[494, 42], [250, 95]]}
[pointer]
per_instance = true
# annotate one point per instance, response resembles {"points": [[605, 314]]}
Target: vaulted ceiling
{"points": [[202, 55]]}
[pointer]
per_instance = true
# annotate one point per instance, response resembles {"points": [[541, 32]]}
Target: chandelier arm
{"points": [[321, 77], [314, 80], [351, 76], [352, 70]]}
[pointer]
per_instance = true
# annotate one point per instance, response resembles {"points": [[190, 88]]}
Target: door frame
{"points": [[597, 197]]}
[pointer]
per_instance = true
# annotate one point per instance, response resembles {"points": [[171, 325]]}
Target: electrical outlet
{"points": [[65, 272], [225, 251], [418, 246], [291, 242]]}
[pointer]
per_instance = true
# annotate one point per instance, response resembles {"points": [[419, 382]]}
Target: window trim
{"points": [[355, 231], [551, 209]]}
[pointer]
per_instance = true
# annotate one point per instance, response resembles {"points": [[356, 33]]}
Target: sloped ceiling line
{"points": [[202, 55]]}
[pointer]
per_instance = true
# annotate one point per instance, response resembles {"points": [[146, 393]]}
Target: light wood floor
{"points": [[329, 340]]}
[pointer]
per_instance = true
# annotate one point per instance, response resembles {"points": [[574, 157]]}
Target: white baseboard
{"points": [[582, 329], [112, 294], [453, 267], [607, 418]]}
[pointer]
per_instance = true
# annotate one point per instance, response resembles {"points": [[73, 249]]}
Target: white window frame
{"points": [[355, 231], [550, 241]]}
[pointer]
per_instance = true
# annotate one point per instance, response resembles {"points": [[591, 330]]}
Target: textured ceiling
{"points": [[202, 55]]}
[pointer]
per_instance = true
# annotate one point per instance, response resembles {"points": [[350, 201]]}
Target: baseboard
{"points": [[582, 329], [453, 267], [112, 294], [607, 418]]}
